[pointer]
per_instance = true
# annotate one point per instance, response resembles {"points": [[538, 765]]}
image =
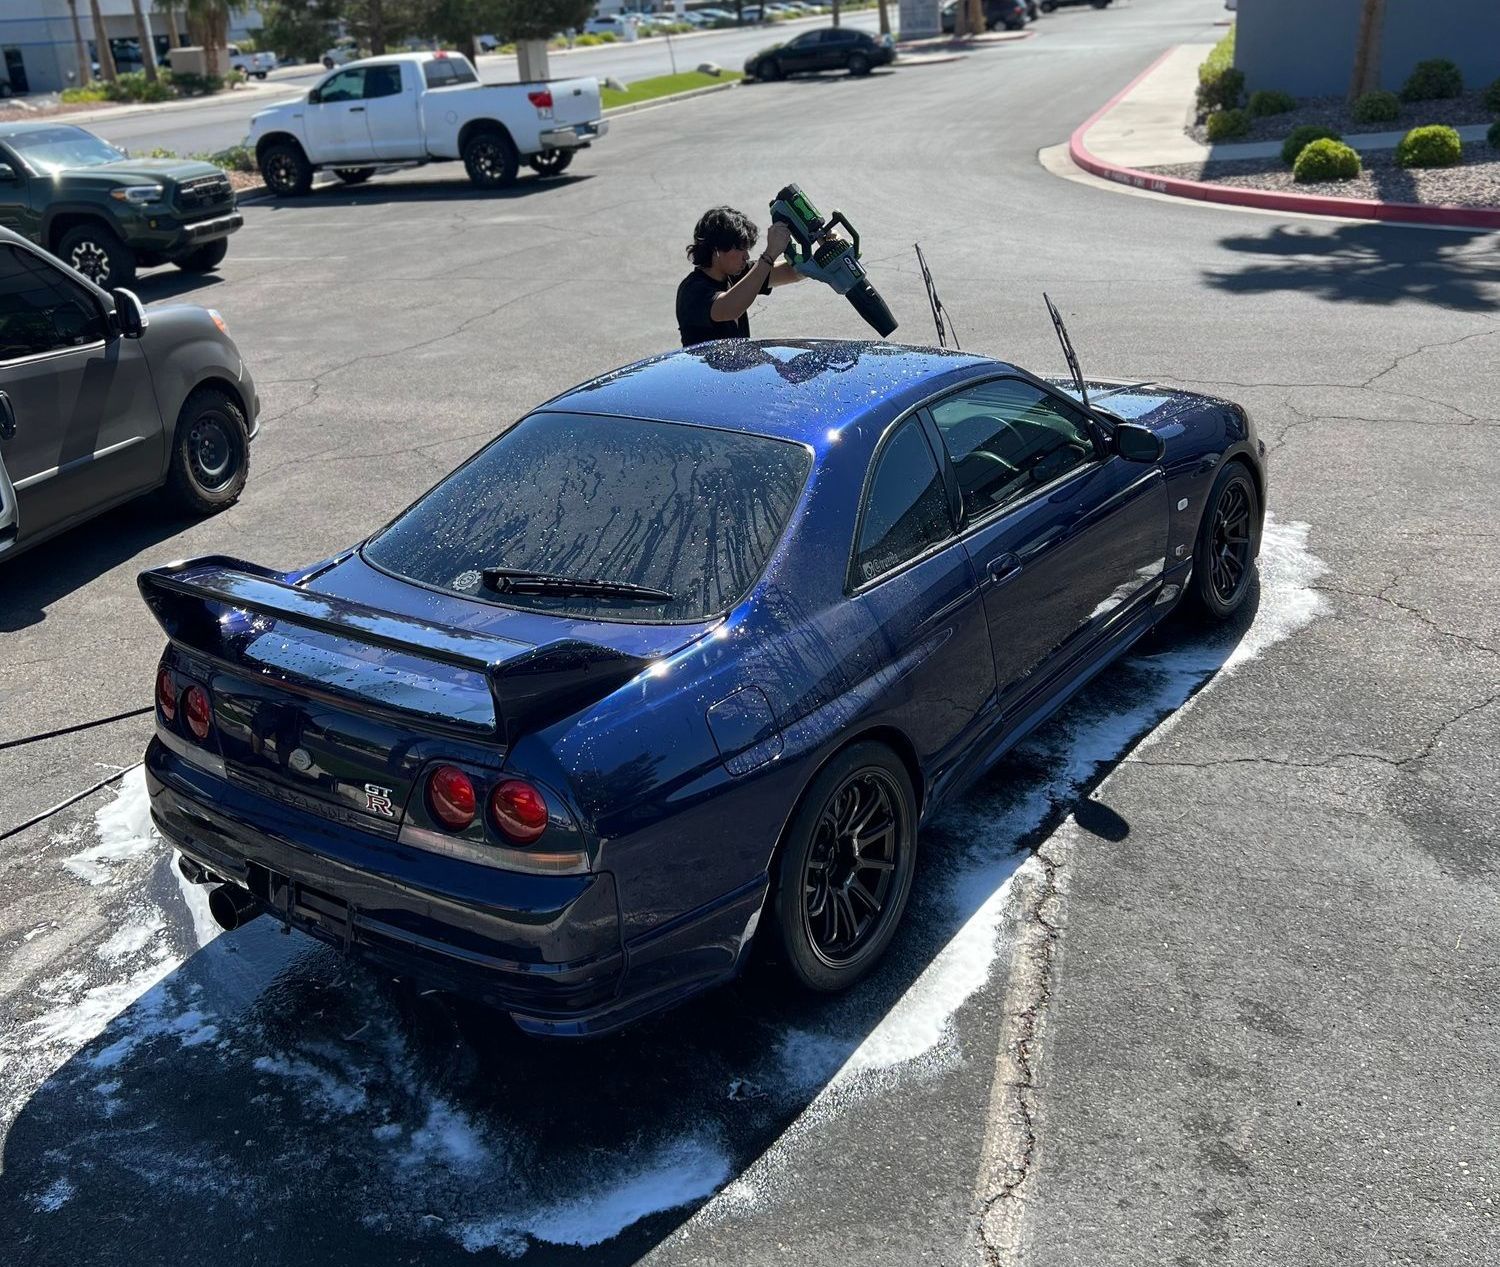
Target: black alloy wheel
{"points": [[769, 70], [1228, 542], [491, 160], [550, 162], [286, 170], [859, 64], [96, 251], [845, 870]]}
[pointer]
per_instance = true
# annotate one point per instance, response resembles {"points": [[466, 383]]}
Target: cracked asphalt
{"points": [[1247, 1009]]}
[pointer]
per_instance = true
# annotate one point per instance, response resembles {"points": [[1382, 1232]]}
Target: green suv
{"points": [[107, 214]]}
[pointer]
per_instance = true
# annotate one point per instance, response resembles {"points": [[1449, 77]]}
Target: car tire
{"points": [[491, 159], [1049, 6], [1227, 545], [328, 63], [261, 74], [206, 258], [210, 453], [859, 64], [815, 906], [550, 162], [285, 169], [770, 71], [354, 175], [96, 251], [1015, 24]]}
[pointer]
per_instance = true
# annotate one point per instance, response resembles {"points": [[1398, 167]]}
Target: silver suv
{"points": [[100, 403]]}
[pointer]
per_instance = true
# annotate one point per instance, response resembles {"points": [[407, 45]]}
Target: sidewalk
{"points": [[1143, 127]]}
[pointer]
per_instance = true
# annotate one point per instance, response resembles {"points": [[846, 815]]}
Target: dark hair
{"points": [[721, 229]]}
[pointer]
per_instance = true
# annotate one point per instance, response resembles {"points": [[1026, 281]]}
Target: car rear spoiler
{"points": [[531, 685]]}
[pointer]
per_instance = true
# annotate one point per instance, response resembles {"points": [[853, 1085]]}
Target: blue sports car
{"points": [[679, 663]]}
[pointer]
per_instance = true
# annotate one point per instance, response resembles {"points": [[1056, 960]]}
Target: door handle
{"points": [[356, 109], [1004, 568], [7, 417]]}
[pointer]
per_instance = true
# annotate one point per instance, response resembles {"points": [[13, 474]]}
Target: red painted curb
{"points": [[1307, 204]]}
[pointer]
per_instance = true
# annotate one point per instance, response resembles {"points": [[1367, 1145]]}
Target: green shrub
{"points": [[234, 78], [1493, 135], [237, 158], [1228, 125], [588, 41], [136, 87], [1433, 80], [1325, 159], [90, 92], [1267, 102], [608, 37], [1433, 146], [1377, 107], [197, 85], [1300, 138], [1220, 86], [1492, 97]]}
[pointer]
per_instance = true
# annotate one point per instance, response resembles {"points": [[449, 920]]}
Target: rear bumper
{"points": [[544, 948], [574, 136]]}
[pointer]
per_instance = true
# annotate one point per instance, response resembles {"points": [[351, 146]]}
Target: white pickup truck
{"points": [[424, 108]]}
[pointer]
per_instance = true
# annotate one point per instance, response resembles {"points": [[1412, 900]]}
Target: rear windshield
{"points": [[444, 72], [690, 510]]}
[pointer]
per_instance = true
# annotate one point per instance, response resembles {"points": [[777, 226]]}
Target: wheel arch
{"points": [[278, 138], [64, 219], [475, 126], [1243, 457], [216, 380]]}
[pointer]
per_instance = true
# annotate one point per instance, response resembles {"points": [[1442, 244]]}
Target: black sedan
{"points": [[831, 48]]}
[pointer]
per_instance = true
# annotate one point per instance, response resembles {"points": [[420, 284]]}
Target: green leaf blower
{"points": [[816, 252]]}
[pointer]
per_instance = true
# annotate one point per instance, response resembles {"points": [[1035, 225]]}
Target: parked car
{"points": [[1011, 14], [107, 214], [257, 64], [611, 24], [342, 52], [825, 48], [1049, 5], [488, 43], [414, 108], [515, 745], [100, 403]]}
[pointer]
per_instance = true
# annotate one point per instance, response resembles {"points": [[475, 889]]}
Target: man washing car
{"points": [[713, 301]]}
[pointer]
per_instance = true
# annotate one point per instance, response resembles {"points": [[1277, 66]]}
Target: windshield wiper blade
{"points": [[523, 581]]}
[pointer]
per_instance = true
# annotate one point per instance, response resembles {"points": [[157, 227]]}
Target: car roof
{"points": [[36, 125], [429, 55], [799, 389]]}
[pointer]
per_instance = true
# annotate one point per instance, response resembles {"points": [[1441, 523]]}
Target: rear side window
{"points": [[382, 81], [438, 74], [690, 510], [906, 510]]}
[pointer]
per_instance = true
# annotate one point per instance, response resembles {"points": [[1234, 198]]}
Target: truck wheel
{"points": [[859, 64], [96, 251], [1049, 6], [491, 160], [354, 175], [206, 258], [285, 169], [328, 63], [550, 162], [261, 74], [210, 453]]}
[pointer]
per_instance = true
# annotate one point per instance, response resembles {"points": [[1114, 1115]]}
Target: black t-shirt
{"points": [[695, 300]]}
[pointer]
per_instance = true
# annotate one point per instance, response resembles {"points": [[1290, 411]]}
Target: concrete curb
{"points": [[159, 107], [669, 98], [1438, 215], [942, 44]]}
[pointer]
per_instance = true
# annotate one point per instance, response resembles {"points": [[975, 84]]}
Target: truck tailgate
{"points": [[575, 100]]}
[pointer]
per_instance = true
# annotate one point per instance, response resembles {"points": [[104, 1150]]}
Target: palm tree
{"points": [[1366, 77], [885, 19], [175, 37], [101, 42], [208, 24], [148, 46], [85, 71]]}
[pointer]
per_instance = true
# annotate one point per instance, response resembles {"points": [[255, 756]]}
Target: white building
{"points": [[37, 51]]}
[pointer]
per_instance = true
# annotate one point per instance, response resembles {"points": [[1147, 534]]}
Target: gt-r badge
{"points": [[378, 801]]}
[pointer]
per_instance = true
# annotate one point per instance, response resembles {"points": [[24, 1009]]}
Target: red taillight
{"points": [[451, 798], [166, 694], [519, 811], [541, 99], [198, 711]]}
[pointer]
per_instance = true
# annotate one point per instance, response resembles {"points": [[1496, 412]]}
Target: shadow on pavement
{"points": [[57, 567], [392, 188], [170, 282], [1368, 264], [266, 1100]]}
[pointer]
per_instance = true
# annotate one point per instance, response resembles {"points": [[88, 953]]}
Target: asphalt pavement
{"points": [[1239, 898], [224, 121]]}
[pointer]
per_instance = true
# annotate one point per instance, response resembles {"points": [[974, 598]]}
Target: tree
{"points": [[1366, 77], [101, 42], [380, 23], [885, 18], [836, 15], [529, 24], [168, 8], [208, 27], [148, 45], [298, 28], [85, 71]]}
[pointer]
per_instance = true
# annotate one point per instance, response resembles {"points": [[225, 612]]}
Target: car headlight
{"points": [[137, 193]]}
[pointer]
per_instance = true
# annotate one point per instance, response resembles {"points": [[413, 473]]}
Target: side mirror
{"points": [[1139, 444], [130, 313], [7, 174], [314, 96]]}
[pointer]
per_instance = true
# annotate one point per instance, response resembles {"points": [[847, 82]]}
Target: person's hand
{"points": [[777, 237]]}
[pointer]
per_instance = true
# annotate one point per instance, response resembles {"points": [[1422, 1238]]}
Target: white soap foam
{"points": [[124, 832], [131, 937]]}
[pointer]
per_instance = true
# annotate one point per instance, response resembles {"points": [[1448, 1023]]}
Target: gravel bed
{"points": [[1475, 183], [1333, 112]]}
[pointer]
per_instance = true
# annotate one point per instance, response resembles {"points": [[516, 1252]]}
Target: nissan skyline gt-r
{"points": [[679, 664]]}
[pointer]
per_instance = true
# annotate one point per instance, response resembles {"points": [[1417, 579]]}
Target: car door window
{"points": [[42, 309], [347, 85], [382, 81], [905, 510], [806, 41], [1008, 437]]}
